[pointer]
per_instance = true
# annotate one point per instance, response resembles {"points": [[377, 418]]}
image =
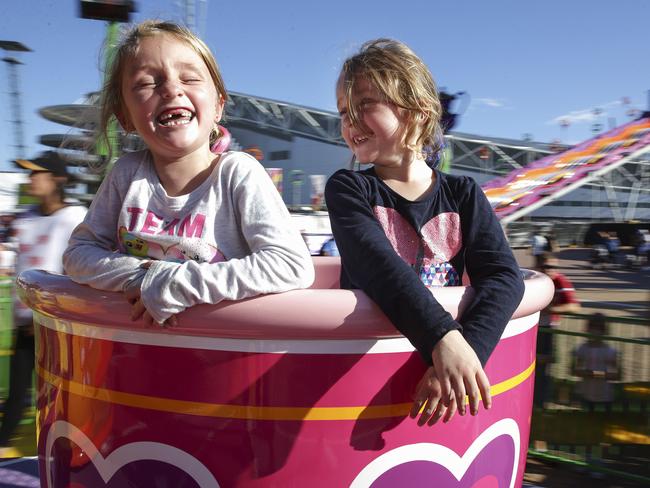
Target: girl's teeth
{"points": [[172, 122], [175, 118]]}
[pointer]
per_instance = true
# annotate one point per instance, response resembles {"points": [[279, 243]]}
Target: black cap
{"points": [[49, 161]]}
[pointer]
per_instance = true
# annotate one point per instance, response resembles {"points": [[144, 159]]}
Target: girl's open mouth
{"points": [[175, 117]]}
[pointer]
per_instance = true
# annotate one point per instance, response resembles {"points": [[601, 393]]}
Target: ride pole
{"points": [[108, 147]]}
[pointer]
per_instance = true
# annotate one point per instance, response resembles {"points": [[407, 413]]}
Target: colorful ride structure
{"points": [[535, 185], [304, 388]]}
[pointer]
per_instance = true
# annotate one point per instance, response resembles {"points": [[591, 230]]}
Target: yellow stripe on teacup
{"points": [[251, 412]]}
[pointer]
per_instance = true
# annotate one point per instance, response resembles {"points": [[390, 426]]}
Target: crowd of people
{"points": [[607, 250]]}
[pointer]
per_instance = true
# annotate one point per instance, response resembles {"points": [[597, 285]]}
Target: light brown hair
{"points": [[112, 102], [402, 79]]}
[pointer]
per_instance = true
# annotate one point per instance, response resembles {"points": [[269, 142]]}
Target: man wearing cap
{"points": [[42, 233]]}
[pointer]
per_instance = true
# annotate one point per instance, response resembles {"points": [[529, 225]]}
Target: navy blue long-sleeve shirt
{"points": [[394, 249]]}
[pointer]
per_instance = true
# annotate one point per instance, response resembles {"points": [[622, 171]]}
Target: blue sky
{"points": [[526, 65]]}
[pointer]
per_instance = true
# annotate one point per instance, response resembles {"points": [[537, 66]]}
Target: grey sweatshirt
{"points": [[231, 238]]}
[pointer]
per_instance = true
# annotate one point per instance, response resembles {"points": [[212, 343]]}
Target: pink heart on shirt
{"points": [[441, 236]]}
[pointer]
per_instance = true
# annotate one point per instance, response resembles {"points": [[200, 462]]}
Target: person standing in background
{"points": [[538, 246], [564, 301], [42, 234], [596, 363]]}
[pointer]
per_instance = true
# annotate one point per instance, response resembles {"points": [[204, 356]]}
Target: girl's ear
{"points": [[124, 121], [126, 125], [220, 104]]}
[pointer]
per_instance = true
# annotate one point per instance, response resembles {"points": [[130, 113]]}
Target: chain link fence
{"points": [[6, 327], [592, 395]]}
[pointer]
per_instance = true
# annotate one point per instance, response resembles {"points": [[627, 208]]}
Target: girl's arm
{"points": [[370, 263], [492, 269], [276, 258], [91, 257]]}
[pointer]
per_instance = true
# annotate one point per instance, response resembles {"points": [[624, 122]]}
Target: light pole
{"points": [[14, 93], [564, 125], [596, 127], [113, 11]]}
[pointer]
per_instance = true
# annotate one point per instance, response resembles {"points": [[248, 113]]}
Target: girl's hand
{"points": [[138, 310], [428, 394], [460, 372]]}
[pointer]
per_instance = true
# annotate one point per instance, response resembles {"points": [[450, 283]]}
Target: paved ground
{"points": [[548, 475], [613, 288]]}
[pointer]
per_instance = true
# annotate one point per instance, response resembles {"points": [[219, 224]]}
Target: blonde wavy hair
{"points": [[403, 80], [112, 102]]}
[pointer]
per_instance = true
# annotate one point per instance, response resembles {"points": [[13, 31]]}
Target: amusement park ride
{"points": [[304, 388]]}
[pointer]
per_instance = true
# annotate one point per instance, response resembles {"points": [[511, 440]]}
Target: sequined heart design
{"points": [[490, 462], [441, 236], [441, 240], [126, 454]]}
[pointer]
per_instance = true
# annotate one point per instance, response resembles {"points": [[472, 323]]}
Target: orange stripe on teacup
{"points": [[252, 412]]}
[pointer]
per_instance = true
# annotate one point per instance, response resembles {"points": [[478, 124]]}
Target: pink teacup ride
{"points": [[306, 388]]}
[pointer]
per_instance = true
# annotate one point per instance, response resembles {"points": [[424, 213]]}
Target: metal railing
{"points": [[6, 326], [592, 396]]}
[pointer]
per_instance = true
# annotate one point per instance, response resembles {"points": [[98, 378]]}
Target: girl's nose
{"points": [[171, 89]]}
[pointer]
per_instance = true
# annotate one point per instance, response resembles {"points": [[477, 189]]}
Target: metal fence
{"points": [[592, 395], [6, 326]]}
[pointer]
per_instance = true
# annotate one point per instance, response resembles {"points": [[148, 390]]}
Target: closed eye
{"points": [[145, 84], [190, 76], [366, 103]]}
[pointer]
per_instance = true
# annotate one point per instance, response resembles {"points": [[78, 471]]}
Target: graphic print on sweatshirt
{"points": [[430, 252], [150, 236]]}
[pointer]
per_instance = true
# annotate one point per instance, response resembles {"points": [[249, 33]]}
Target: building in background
{"points": [[301, 145]]}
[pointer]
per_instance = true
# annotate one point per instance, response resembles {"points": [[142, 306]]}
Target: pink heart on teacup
{"points": [[108, 466], [491, 461]]}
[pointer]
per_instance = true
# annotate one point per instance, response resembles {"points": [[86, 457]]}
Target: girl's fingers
{"points": [[132, 295], [451, 410], [446, 391], [484, 388], [429, 410], [473, 394], [459, 393], [415, 409], [148, 319], [420, 396], [437, 415], [418, 402], [137, 309]]}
